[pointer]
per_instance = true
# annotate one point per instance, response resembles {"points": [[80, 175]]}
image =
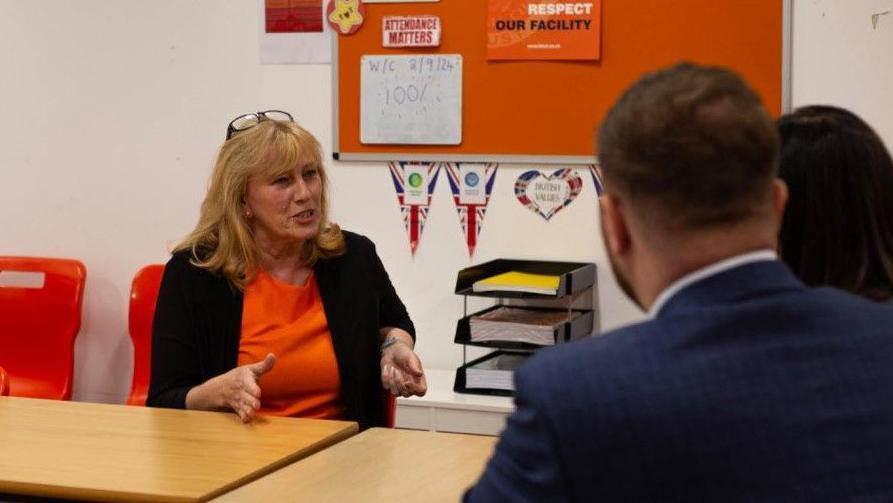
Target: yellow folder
{"points": [[515, 281]]}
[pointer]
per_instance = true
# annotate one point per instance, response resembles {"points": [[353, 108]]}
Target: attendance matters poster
{"points": [[537, 30]]}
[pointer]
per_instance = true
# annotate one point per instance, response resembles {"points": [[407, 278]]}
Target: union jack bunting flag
{"points": [[596, 172], [471, 185], [414, 183]]}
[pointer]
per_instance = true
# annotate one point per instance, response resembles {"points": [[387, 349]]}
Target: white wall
{"points": [[111, 114], [842, 58], [112, 110]]}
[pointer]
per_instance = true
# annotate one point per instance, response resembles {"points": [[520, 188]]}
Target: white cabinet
{"points": [[442, 409]]}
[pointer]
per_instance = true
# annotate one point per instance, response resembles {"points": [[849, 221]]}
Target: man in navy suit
{"points": [[742, 385]]}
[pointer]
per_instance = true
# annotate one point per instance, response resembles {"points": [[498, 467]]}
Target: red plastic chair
{"points": [[38, 326], [143, 295], [4, 383], [390, 409]]}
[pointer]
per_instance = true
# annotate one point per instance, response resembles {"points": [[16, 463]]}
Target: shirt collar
{"points": [[705, 272]]}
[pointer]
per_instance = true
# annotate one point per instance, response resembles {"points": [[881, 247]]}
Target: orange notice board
{"points": [[535, 110]]}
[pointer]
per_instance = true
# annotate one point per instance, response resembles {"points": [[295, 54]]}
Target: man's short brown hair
{"points": [[692, 146]]}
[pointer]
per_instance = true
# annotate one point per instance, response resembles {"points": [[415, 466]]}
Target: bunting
{"points": [[414, 183], [471, 185], [596, 172]]}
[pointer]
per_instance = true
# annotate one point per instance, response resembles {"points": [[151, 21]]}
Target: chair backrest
{"points": [[38, 326], [4, 383], [390, 409], [143, 295]]}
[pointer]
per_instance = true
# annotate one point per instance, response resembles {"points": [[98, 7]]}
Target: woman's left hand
{"points": [[401, 371]]}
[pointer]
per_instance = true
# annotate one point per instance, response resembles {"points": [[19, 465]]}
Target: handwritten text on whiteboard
{"points": [[413, 99]]}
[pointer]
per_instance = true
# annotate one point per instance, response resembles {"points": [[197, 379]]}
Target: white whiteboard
{"points": [[411, 99]]}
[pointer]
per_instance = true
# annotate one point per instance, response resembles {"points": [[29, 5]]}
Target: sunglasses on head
{"points": [[248, 121]]}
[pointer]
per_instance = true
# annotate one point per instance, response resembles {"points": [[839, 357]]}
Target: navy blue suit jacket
{"points": [[747, 386]]}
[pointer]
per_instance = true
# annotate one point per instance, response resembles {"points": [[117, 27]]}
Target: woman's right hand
{"points": [[236, 390]]}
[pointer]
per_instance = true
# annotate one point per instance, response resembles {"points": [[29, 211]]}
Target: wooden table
{"points": [[379, 464], [114, 452]]}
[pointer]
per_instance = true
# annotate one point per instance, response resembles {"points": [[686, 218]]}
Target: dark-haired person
{"points": [[269, 308], [838, 226], [743, 385]]}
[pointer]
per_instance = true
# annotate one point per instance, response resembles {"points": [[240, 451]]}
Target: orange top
{"points": [[289, 321]]}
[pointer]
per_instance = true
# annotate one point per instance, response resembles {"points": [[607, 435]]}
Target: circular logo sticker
{"points": [[415, 180], [472, 179]]}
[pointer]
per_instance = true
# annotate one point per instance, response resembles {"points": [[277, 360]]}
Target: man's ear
{"points": [[614, 225], [779, 199]]}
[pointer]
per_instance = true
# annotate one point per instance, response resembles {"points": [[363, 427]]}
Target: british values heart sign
{"points": [[545, 194]]}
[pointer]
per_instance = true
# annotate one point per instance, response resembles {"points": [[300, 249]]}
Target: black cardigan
{"points": [[198, 323]]}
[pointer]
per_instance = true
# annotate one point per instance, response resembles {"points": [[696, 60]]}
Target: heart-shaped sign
{"points": [[546, 195]]}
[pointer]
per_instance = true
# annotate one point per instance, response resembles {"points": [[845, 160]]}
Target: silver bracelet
{"points": [[388, 342]]}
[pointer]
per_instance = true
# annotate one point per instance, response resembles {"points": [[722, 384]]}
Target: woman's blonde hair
{"points": [[222, 241]]}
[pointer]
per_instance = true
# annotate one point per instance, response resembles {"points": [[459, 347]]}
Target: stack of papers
{"points": [[516, 324], [514, 281], [495, 373]]}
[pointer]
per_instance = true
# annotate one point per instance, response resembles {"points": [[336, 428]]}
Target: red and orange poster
{"points": [[543, 29], [289, 16]]}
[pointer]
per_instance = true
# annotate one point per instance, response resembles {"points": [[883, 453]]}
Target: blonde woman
{"points": [[269, 308]]}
